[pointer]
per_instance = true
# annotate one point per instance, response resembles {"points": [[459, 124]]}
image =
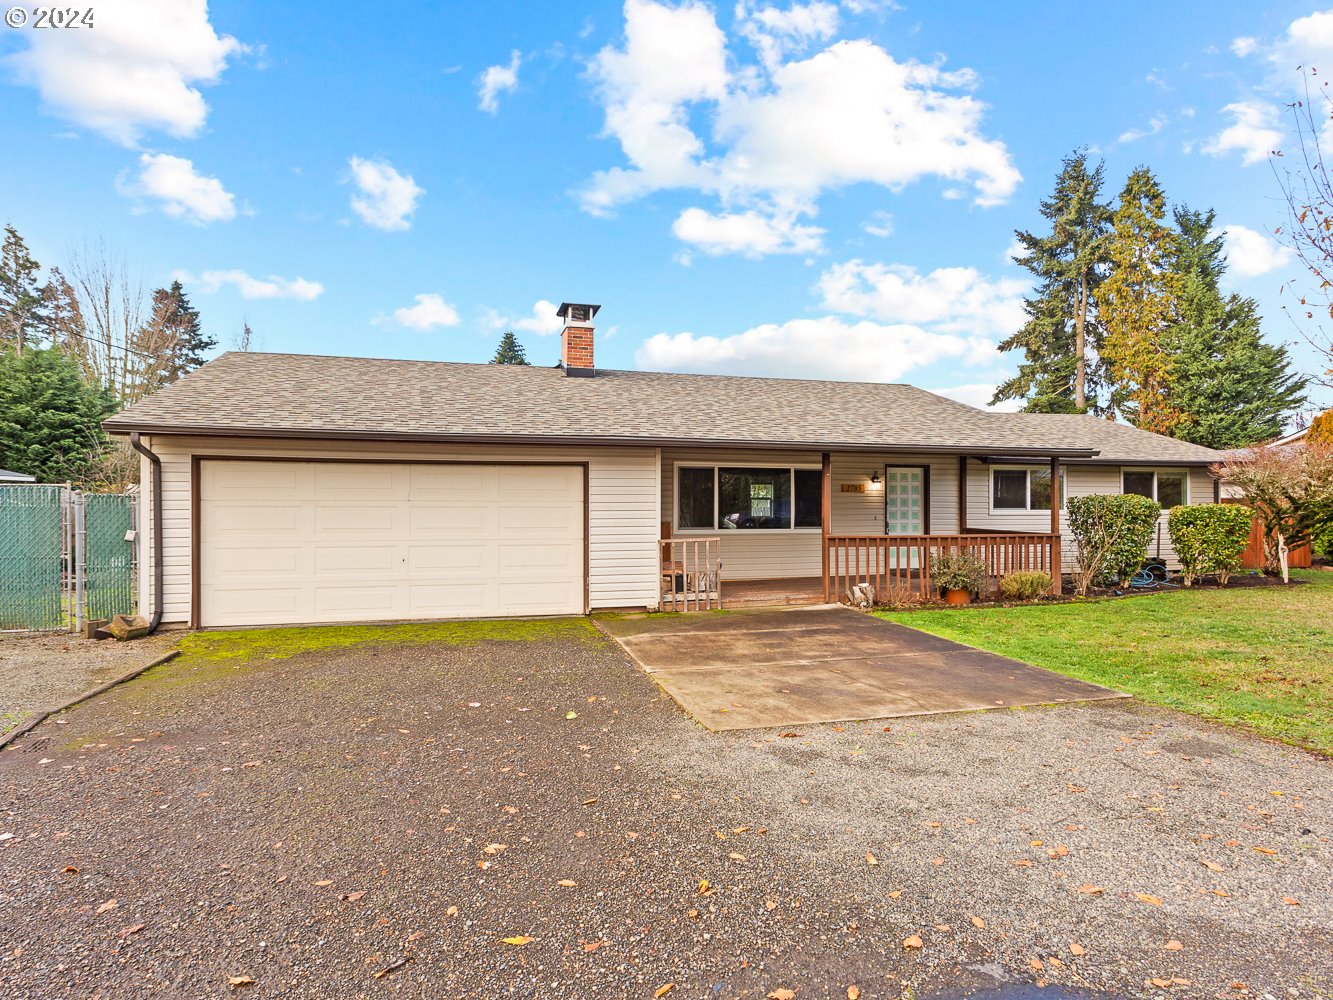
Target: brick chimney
{"points": [[576, 338]]}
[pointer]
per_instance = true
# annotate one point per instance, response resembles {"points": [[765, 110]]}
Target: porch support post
{"points": [[962, 494], [1056, 572], [825, 514]]}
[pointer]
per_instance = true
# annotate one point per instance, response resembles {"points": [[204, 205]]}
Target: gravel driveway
{"points": [[310, 822]]}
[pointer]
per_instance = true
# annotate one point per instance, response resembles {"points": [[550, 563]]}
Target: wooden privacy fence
{"points": [[1297, 558], [900, 564], [691, 574]]}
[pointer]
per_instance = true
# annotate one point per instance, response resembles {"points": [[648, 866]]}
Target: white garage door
{"points": [[296, 542]]}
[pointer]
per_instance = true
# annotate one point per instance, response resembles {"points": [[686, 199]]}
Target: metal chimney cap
{"points": [[566, 308]]}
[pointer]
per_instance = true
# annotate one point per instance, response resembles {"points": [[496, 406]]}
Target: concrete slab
{"points": [[760, 668]]}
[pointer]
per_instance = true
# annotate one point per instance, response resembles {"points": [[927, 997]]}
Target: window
{"points": [[1170, 489], [739, 498], [1022, 489]]}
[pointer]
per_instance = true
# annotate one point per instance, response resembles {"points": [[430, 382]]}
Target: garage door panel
{"points": [[295, 542], [357, 559], [464, 520]]}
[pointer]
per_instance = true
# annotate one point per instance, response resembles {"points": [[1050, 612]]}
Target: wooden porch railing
{"points": [[691, 574], [900, 564]]}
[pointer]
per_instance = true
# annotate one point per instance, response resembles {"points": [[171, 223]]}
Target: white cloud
{"points": [[1308, 41], [828, 347], [1244, 45], [498, 80], [948, 299], [139, 69], [429, 312], [542, 321], [788, 129], [1251, 253], [879, 224], [1253, 132], [775, 33], [272, 287], [183, 193], [751, 233], [387, 198], [979, 394], [1155, 125]]}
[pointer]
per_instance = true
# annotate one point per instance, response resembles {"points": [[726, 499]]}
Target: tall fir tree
{"points": [[50, 418], [22, 305], [178, 321], [1138, 304], [510, 351], [1230, 387], [1061, 371]]}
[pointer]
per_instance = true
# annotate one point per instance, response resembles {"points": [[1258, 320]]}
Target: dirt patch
{"points": [[310, 821], [41, 671]]}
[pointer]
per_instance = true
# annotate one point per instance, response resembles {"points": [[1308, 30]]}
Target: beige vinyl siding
{"points": [[771, 555], [622, 506], [1080, 480]]}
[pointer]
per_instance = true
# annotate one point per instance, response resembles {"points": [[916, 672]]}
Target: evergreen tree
{"points": [[1230, 387], [62, 315], [176, 322], [510, 351], [21, 299], [50, 419], [1138, 304], [1061, 371]]}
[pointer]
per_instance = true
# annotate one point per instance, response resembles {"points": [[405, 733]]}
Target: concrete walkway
{"points": [[762, 668]]}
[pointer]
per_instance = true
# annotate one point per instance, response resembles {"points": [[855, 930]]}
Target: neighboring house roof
{"points": [[292, 395], [16, 477]]}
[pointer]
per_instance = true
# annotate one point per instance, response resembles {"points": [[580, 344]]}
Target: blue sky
{"points": [[822, 189]]}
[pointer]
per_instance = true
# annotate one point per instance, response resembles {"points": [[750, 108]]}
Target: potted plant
{"points": [[959, 575]]}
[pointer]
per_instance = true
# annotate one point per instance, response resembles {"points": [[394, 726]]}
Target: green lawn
{"points": [[1258, 659]]}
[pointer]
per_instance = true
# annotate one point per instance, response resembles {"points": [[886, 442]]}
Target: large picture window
{"points": [[1022, 489], [741, 498], [1170, 489]]}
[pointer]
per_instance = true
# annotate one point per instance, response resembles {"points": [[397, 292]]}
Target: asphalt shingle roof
{"points": [[293, 395]]}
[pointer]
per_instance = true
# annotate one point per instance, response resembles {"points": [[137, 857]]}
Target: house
{"points": [[295, 489], [16, 477]]}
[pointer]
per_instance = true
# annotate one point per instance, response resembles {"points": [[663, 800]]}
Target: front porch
{"points": [[878, 522]]}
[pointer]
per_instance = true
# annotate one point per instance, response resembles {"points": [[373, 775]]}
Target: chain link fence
{"points": [[65, 557]]}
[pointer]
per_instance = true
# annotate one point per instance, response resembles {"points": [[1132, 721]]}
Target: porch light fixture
{"points": [[874, 481]]}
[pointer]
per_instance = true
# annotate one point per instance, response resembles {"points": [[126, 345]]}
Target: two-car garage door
{"points": [[288, 542]]}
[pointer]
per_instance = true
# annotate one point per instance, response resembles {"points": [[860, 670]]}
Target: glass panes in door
{"points": [[904, 501]]}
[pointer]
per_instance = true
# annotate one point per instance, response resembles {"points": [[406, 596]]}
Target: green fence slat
{"points": [[31, 596]]}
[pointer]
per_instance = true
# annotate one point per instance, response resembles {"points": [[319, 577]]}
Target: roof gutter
{"points": [[113, 427], [156, 502]]}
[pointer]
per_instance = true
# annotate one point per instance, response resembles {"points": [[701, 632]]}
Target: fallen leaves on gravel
{"points": [[1291, 902], [324, 882], [1212, 866], [110, 904], [705, 888], [571, 715], [235, 981], [590, 946], [1144, 897], [871, 859], [393, 966], [590, 802], [127, 931], [518, 940], [451, 912], [352, 897], [979, 923], [567, 883], [1173, 945], [1091, 890], [853, 993], [1266, 850], [663, 990], [1077, 949], [911, 941], [69, 870], [782, 993]]}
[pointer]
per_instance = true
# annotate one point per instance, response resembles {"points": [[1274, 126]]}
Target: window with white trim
{"points": [[1170, 488], [729, 497], [1016, 489]]}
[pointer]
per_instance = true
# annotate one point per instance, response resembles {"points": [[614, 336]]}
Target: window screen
{"points": [[1010, 489], [1040, 484], [694, 505]]}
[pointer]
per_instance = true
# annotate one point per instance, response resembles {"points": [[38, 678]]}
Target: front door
{"points": [[904, 510]]}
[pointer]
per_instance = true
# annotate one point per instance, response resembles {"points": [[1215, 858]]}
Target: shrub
{"points": [[1209, 538], [1111, 533], [1025, 585], [959, 571]]}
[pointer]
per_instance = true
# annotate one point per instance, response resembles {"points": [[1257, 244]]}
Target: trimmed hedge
{"points": [[1025, 585], [1209, 538], [1112, 532]]}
